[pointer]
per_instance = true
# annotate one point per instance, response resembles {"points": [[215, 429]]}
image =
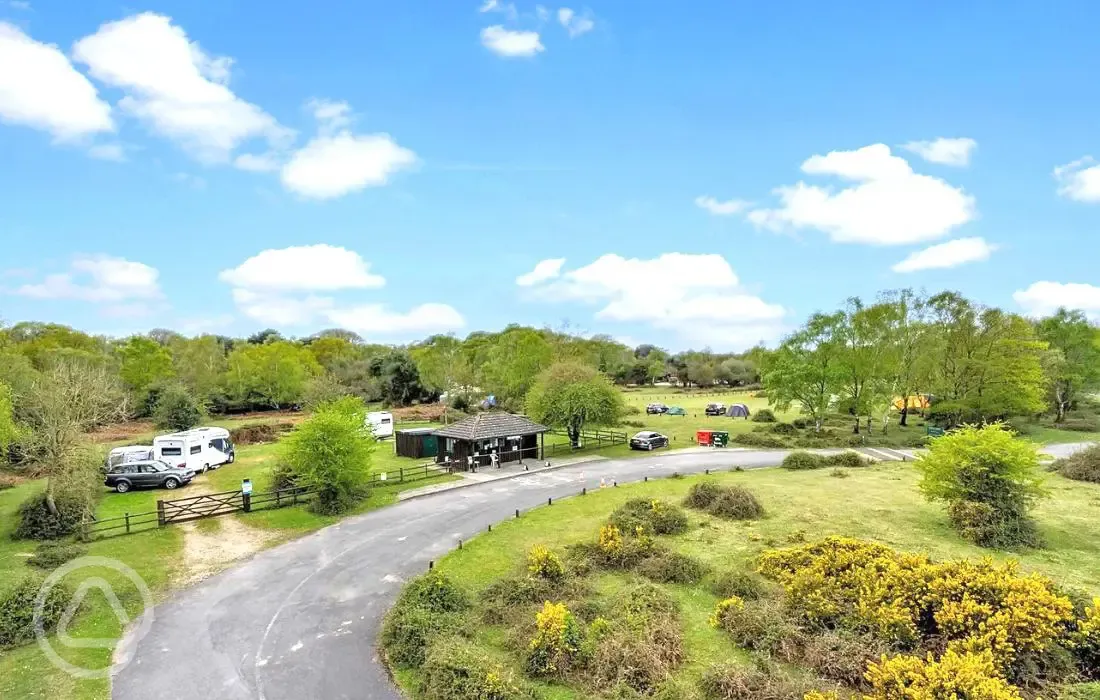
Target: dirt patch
{"points": [[123, 431], [212, 545], [260, 433], [429, 412]]}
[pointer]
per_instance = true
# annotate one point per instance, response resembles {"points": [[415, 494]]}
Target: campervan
{"points": [[198, 449], [129, 453], [380, 424]]}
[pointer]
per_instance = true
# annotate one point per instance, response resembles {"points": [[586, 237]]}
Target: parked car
{"points": [[716, 409], [648, 441], [656, 408], [148, 473]]}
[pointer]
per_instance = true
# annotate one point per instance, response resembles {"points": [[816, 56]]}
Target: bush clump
{"points": [[783, 429], [653, 516], [617, 549], [176, 409], [36, 522], [758, 440], [728, 502], [847, 458], [673, 567], [802, 423], [730, 682], [802, 460], [764, 415], [17, 607], [761, 625], [428, 608], [50, 555], [842, 656], [961, 675], [543, 563], [556, 647], [457, 669], [743, 584], [1082, 466], [642, 646]]}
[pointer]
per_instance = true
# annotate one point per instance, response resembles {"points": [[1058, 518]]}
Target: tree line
{"points": [[960, 361]]}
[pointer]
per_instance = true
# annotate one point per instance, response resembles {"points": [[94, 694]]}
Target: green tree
{"points": [[990, 481], [701, 373], [866, 357], [806, 368], [199, 365], [272, 374], [912, 351], [144, 362], [331, 453], [572, 395], [9, 430], [399, 379], [176, 409], [331, 351], [1075, 366], [512, 361]]}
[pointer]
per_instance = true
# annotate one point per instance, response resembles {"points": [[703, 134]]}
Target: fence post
{"points": [[277, 497], [160, 514], [127, 523], [246, 502]]}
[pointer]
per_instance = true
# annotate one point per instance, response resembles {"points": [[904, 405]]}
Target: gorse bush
{"points": [[653, 516], [36, 522], [742, 584], [50, 555], [758, 440], [970, 676], [672, 567], [545, 564], [702, 494], [799, 460], [1082, 466], [457, 669], [435, 592], [17, 607], [556, 646], [428, 609], [730, 682], [728, 502], [763, 415], [643, 644], [985, 465], [783, 429]]}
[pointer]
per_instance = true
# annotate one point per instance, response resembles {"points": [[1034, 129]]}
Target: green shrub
{"points": [[743, 584], [543, 563], [758, 440], [176, 409], [839, 473], [729, 502], [702, 494], [557, 647], [783, 429], [1081, 425], [1081, 691], [985, 526], [847, 458], [730, 682], [36, 522], [457, 669], [409, 630], [434, 591], [638, 660], [764, 415], [763, 625], [654, 516], [842, 656], [672, 567], [17, 610], [1082, 466], [800, 460], [50, 555], [856, 440], [802, 423], [641, 604]]}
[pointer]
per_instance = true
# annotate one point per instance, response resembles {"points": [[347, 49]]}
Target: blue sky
{"points": [[706, 175]]}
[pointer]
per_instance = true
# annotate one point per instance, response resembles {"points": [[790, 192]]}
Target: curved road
{"points": [[301, 620]]}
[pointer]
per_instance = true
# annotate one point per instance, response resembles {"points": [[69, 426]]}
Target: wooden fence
{"points": [[590, 440], [182, 510]]}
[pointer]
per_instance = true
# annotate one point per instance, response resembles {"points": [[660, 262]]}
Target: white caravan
{"points": [[380, 424], [198, 449], [129, 453]]}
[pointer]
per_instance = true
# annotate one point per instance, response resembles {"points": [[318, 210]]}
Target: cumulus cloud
{"points": [[123, 287], [575, 24], [304, 268], [950, 254], [333, 166], [888, 204], [1044, 298], [544, 270], [173, 86], [46, 92], [1079, 180], [698, 297], [954, 152], [727, 208], [511, 43], [295, 286]]}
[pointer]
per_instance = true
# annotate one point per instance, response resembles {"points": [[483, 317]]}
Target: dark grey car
{"points": [[151, 473]]}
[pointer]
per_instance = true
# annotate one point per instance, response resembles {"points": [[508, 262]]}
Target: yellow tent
{"points": [[918, 402]]}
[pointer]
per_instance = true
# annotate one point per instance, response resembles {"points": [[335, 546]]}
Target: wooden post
{"points": [[277, 497], [517, 512], [246, 502], [160, 514], [127, 523]]}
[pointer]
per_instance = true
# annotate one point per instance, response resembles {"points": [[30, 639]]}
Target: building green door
{"points": [[431, 446]]}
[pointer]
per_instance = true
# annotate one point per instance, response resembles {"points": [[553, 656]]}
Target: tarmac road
{"points": [[301, 620]]}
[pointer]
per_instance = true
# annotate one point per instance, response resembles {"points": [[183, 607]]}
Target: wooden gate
{"points": [[196, 507]]}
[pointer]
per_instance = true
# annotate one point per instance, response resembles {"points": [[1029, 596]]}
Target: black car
{"points": [[656, 408], [716, 409], [648, 441], [151, 473]]}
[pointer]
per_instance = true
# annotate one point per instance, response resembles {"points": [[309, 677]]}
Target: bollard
{"points": [[706, 471], [646, 479], [517, 512], [616, 484], [460, 544], [490, 528], [431, 565], [550, 501], [584, 491]]}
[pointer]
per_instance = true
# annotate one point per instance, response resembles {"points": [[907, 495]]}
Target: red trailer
{"points": [[703, 437]]}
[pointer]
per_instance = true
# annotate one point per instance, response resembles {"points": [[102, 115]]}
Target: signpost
{"points": [[246, 495]]}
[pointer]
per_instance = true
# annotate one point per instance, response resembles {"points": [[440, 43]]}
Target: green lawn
{"points": [[879, 503], [25, 672]]}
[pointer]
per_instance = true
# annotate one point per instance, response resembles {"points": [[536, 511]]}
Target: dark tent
{"points": [[738, 410]]}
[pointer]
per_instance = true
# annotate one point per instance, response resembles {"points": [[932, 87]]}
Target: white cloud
{"points": [[950, 254], [507, 8], [100, 279], [574, 23], [176, 88], [698, 297], [544, 270], [511, 43], [280, 310], [332, 166], [542, 13], [1044, 298], [331, 116], [376, 319], [45, 92], [727, 208], [490, 6], [304, 268], [954, 152], [889, 205], [108, 151], [257, 163], [1079, 180]]}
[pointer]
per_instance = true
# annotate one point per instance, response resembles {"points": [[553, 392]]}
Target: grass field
{"points": [[879, 503], [25, 672]]}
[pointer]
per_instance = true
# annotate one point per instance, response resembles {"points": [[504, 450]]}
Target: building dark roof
{"points": [[486, 426]]}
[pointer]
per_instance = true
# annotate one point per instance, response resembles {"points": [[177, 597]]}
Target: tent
{"points": [[917, 402], [738, 410], [676, 411]]}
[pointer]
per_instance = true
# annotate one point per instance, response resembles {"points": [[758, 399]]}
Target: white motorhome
{"points": [[380, 424], [129, 453], [198, 449]]}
